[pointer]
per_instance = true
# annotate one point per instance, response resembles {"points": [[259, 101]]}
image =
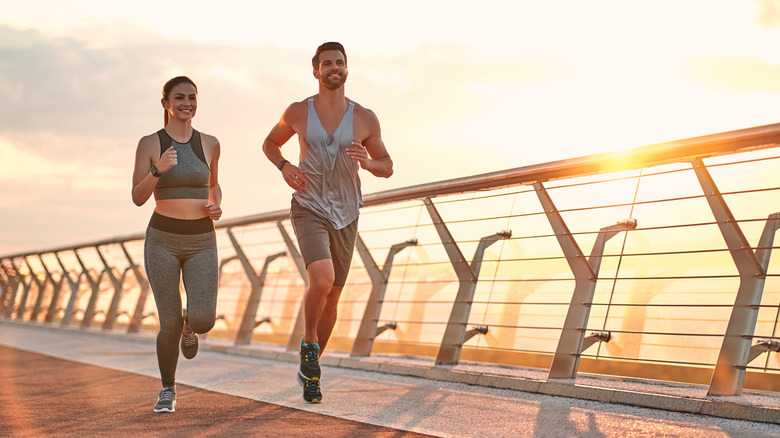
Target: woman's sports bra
{"points": [[189, 178]]}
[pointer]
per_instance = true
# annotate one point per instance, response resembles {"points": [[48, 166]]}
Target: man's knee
{"points": [[321, 276]]}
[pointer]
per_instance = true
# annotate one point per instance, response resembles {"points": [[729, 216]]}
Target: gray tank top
{"points": [[333, 186], [189, 178]]}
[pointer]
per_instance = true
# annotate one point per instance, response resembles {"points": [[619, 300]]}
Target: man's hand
{"points": [[359, 153], [295, 177]]}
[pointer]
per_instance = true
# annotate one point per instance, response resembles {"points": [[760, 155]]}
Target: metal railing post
{"points": [[4, 288], [89, 312], [248, 321], [74, 292], [118, 283], [571, 342], [41, 289], [294, 343], [55, 294], [729, 373], [26, 286], [367, 332], [138, 312], [12, 281], [455, 332]]}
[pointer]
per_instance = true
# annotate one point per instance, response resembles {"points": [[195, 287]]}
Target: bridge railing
{"points": [[651, 263]]}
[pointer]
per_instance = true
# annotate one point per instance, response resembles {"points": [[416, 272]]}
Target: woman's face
{"points": [[182, 102]]}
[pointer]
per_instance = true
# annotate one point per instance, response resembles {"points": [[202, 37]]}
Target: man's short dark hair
{"points": [[332, 45]]}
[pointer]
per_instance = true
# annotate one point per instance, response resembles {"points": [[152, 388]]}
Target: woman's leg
{"points": [[163, 270], [200, 272]]}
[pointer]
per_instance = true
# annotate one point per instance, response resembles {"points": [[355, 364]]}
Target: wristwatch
{"points": [[281, 164], [155, 172]]}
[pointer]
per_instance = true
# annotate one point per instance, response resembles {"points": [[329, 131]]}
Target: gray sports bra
{"points": [[189, 178]]}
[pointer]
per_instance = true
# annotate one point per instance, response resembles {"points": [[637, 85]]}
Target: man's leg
{"points": [[342, 247], [320, 285], [328, 316]]}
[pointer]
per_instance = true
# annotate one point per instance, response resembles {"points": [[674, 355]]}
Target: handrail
{"points": [[630, 159], [528, 275]]}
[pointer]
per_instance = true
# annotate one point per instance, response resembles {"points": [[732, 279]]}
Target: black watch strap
{"points": [[281, 164], [155, 172]]}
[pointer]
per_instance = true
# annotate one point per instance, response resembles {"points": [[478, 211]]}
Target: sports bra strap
{"points": [[197, 147]]}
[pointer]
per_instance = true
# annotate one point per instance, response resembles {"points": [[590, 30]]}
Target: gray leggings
{"points": [[169, 257]]}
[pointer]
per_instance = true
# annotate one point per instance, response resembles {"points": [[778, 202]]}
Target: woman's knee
{"points": [[200, 323], [171, 327]]}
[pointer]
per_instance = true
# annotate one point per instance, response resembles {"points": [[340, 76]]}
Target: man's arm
{"points": [[279, 135], [370, 152]]}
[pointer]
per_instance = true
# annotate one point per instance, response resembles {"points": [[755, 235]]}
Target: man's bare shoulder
{"points": [[364, 115], [297, 111]]}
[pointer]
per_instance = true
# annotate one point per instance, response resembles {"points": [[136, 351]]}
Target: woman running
{"points": [[179, 166]]}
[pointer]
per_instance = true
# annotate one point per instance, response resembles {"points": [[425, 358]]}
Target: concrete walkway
{"points": [[461, 401]]}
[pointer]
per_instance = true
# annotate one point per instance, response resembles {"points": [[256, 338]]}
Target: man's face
{"points": [[332, 71]]}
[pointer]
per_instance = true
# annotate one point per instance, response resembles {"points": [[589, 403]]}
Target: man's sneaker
{"points": [[166, 400], [189, 341], [311, 389], [310, 373]]}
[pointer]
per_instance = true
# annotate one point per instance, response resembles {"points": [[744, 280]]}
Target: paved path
{"points": [[75, 383]]}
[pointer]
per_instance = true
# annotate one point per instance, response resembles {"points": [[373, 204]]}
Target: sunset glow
{"points": [[459, 90]]}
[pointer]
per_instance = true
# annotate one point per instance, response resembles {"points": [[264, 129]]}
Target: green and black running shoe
{"points": [[310, 373]]}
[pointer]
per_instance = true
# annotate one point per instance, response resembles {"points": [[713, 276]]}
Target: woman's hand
{"points": [[167, 160], [214, 211]]}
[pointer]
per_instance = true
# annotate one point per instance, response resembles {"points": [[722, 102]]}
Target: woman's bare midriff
{"points": [[182, 208]]}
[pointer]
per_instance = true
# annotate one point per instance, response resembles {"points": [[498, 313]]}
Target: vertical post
{"points": [[13, 281], [113, 308], [20, 309], [248, 321], [729, 373], [570, 344], [455, 332], [138, 312], [367, 332], [89, 312], [55, 295], [294, 343], [4, 288], [41, 289], [74, 292]]}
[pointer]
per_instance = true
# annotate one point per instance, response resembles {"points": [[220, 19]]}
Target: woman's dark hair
{"points": [[169, 86], [315, 61]]}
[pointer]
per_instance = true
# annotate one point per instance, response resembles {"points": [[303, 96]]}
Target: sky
{"points": [[460, 88]]}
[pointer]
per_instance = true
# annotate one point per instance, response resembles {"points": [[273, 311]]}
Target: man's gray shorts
{"points": [[318, 240]]}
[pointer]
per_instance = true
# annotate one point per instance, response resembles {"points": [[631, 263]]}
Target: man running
{"points": [[337, 136]]}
